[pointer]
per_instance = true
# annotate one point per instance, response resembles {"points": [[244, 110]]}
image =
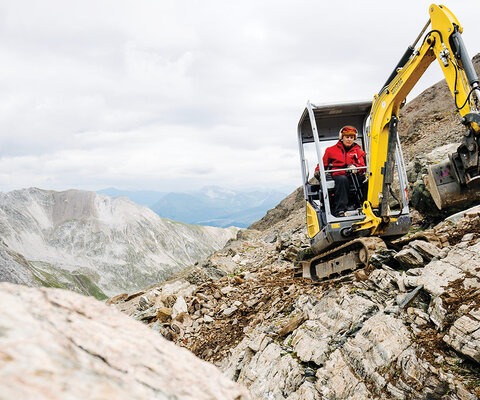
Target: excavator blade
{"points": [[446, 189]]}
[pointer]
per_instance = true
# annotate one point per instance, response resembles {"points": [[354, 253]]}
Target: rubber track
{"points": [[369, 245]]}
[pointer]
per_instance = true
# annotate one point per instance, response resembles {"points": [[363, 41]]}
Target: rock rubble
{"points": [[407, 329]]}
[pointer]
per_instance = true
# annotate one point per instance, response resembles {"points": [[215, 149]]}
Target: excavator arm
{"points": [[444, 43]]}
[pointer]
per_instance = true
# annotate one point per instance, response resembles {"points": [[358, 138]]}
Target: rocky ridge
{"points": [[430, 120]]}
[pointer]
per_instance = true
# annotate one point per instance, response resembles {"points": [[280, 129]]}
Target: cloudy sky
{"points": [[177, 94]]}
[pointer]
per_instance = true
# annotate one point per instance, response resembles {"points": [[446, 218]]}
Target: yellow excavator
{"points": [[344, 243]]}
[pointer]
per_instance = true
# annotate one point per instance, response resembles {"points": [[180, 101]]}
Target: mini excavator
{"points": [[344, 243]]}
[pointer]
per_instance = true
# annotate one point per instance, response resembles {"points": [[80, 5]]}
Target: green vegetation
{"points": [[78, 282]]}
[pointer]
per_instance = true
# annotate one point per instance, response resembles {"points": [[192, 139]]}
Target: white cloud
{"points": [[184, 93]]}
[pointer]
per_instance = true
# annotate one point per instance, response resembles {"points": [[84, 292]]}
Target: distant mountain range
{"points": [[143, 197], [93, 244], [211, 205]]}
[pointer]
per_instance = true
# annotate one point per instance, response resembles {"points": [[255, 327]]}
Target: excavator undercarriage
{"points": [[340, 260]]}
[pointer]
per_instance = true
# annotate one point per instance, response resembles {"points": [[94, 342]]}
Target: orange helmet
{"points": [[347, 130]]}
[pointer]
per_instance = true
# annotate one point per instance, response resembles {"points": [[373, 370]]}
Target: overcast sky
{"points": [[178, 94]]}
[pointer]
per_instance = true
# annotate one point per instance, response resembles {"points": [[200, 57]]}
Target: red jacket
{"points": [[337, 156]]}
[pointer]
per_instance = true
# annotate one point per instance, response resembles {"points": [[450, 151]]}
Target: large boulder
{"points": [[56, 344]]}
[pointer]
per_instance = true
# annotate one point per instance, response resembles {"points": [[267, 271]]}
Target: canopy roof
{"points": [[330, 118]]}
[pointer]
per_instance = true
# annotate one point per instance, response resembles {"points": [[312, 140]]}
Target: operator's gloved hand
{"points": [[353, 169]]}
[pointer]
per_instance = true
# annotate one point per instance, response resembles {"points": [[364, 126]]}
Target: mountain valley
{"points": [[94, 244], [210, 205]]}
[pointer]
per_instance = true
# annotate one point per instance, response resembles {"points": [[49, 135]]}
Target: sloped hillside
{"points": [[94, 244]]}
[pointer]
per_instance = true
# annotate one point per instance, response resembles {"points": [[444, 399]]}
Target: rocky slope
{"points": [[407, 329], [94, 244], [56, 344]]}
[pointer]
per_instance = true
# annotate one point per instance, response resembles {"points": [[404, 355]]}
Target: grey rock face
{"points": [[56, 344], [15, 268], [464, 335]]}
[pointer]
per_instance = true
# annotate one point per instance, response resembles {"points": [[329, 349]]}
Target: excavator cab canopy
{"points": [[314, 138], [330, 118], [318, 128]]}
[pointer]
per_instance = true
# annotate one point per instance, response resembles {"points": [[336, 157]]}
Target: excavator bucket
{"points": [[455, 183], [446, 190]]}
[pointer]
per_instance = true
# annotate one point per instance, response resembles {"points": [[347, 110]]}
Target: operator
{"points": [[345, 154]]}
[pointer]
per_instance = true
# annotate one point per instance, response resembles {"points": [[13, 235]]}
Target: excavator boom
{"points": [[444, 43]]}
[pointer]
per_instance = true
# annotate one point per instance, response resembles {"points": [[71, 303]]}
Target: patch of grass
{"points": [[89, 286], [46, 276]]}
